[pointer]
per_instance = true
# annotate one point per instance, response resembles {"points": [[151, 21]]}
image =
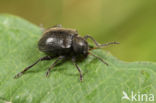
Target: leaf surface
{"points": [[101, 84]]}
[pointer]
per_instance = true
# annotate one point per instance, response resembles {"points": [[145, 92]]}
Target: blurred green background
{"points": [[130, 22]]}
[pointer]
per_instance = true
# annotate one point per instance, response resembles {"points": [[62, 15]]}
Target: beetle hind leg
{"points": [[27, 68]]}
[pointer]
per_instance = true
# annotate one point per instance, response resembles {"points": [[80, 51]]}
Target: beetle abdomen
{"points": [[55, 42]]}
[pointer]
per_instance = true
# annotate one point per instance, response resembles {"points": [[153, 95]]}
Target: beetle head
{"points": [[80, 46]]}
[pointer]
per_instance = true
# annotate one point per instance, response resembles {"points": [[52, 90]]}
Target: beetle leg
{"points": [[78, 68], [27, 68], [99, 58], [97, 44], [52, 66]]}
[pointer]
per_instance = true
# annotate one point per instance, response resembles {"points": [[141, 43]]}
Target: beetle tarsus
{"points": [[47, 74], [18, 75]]}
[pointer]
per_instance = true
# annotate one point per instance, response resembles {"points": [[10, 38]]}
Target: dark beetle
{"points": [[62, 43]]}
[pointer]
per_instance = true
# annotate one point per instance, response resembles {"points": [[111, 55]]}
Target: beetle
{"points": [[62, 43]]}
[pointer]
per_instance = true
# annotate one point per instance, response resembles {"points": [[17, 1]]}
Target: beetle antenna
{"points": [[97, 44], [99, 58], [107, 44], [102, 45]]}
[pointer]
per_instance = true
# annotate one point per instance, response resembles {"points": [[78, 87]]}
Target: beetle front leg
{"points": [[78, 68], [99, 58]]}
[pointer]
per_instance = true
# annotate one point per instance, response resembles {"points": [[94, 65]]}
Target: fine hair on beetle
{"points": [[62, 43]]}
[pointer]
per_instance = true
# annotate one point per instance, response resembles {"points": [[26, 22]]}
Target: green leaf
{"points": [[101, 84]]}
